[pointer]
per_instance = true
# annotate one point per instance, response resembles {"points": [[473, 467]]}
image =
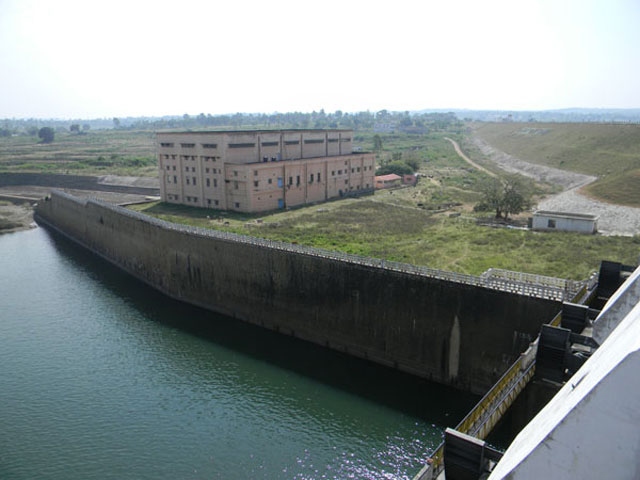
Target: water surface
{"points": [[102, 377]]}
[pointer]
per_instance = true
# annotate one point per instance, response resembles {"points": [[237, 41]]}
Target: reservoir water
{"points": [[102, 377]]}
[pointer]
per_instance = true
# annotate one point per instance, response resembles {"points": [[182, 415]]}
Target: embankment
{"points": [[455, 333], [106, 183]]}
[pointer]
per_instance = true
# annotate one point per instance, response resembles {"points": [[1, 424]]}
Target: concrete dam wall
{"points": [[454, 333]]}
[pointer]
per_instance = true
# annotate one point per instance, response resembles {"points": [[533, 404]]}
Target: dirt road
{"points": [[468, 160], [613, 219]]}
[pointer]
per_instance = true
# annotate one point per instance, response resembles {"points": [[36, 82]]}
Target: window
{"points": [[255, 172], [273, 159], [265, 159], [215, 183], [241, 145], [173, 157], [208, 201], [353, 170], [216, 202], [280, 181], [235, 173], [167, 167], [166, 157], [333, 173], [345, 139], [175, 179], [297, 180], [339, 172], [237, 204], [187, 145], [168, 179], [186, 169], [188, 198], [195, 199], [194, 180], [367, 185], [332, 140], [290, 180], [209, 145], [358, 169], [270, 181], [208, 182], [269, 144], [314, 140], [318, 175], [174, 168], [206, 170], [193, 169], [188, 182], [292, 142], [255, 183], [166, 145], [235, 185], [311, 178], [551, 223], [346, 182]]}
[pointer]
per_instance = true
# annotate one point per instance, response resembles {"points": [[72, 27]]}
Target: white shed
{"points": [[566, 222]]}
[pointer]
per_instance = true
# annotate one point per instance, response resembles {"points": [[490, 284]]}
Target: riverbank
{"points": [[15, 216]]}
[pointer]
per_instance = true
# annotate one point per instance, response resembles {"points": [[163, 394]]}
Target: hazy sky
{"points": [[86, 59]]}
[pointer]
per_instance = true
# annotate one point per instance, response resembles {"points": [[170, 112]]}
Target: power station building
{"points": [[260, 170]]}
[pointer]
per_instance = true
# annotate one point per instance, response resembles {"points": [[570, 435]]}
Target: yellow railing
{"points": [[497, 392]]}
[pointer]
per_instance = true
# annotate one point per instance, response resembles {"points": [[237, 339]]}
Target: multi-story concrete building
{"points": [[259, 170]]}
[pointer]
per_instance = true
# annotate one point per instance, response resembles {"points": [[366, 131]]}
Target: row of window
{"points": [[252, 144], [188, 145]]}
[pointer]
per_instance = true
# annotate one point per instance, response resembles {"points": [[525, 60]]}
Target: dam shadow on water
{"points": [[438, 404]]}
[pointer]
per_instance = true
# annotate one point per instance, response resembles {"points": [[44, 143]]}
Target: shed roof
{"points": [[386, 178], [573, 216]]}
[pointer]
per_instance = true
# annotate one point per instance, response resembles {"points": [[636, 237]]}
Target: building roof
{"points": [[386, 178], [276, 130], [573, 216]]}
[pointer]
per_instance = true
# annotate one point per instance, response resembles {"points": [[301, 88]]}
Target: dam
{"points": [[457, 330]]}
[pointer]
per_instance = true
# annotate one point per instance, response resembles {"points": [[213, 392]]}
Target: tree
{"points": [[412, 160], [75, 128], [377, 143], [46, 134], [85, 127], [508, 197], [116, 122], [516, 197], [399, 168]]}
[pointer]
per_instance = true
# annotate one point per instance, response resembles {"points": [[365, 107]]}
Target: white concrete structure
{"points": [[591, 428], [563, 221]]}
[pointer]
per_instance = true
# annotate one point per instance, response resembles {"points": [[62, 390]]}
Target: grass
{"points": [[378, 228], [608, 151], [98, 152]]}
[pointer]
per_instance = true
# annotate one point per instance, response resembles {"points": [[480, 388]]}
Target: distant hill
{"points": [[609, 151], [596, 115]]}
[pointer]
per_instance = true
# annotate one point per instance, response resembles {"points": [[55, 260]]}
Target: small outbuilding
{"points": [[388, 181], [564, 221]]}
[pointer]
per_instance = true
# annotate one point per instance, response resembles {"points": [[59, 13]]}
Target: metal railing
{"points": [[486, 413], [515, 286]]}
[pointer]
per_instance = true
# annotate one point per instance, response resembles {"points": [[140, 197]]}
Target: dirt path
{"points": [[613, 219], [468, 160]]}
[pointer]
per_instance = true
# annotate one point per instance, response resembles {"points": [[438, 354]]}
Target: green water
{"points": [[102, 377]]}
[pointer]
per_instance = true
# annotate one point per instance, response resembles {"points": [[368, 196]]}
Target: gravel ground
{"points": [[613, 219]]}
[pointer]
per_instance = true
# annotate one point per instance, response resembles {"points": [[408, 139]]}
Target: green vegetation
{"points": [[374, 226], [609, 151], [507, 197], [89, 153]]}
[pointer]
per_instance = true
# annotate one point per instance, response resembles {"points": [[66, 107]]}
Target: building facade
{"points": [[563, 221], [260, 170]]}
